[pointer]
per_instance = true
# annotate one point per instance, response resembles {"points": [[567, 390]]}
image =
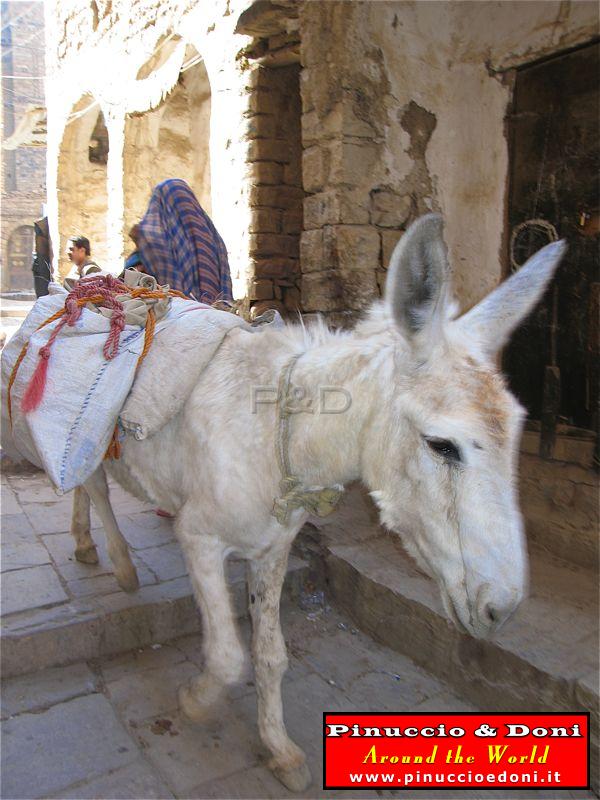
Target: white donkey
{"points": [[425, 421]]}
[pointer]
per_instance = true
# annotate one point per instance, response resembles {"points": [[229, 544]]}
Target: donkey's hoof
{"points": [[87, 555], [296, 779], [128, 579], [193, 705]]}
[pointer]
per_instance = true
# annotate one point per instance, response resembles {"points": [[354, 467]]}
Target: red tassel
{"points": [[35, 388]]}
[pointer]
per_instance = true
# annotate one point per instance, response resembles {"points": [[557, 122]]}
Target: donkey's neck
{"points": [[337, 386]]}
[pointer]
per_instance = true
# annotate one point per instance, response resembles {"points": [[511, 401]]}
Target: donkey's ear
{"points": [[415, 287], [491, 322]]}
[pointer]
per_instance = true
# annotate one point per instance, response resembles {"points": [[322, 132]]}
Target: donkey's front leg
{"points": [[118, 550], [265, 579], [85, 549], [224, 659]]}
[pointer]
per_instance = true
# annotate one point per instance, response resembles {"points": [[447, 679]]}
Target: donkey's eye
{"points": [[444, 448]]}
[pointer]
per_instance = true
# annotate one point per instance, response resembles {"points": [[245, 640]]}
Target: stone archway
{"points": [[170, 141], [82, 188]]}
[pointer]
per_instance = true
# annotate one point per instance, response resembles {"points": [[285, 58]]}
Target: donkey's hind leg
{"points": [[118, 550], [265, 579], [224, 660], [85, 549]]}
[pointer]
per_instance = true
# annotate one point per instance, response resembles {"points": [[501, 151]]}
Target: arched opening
{"points": [[17, 275], [170, 141], [82, 190]]}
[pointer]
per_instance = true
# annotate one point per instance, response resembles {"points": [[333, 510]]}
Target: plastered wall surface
{"points": [[407, 114]]}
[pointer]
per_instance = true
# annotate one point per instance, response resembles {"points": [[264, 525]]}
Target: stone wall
{"points": [[276, 194], [403, 112]]}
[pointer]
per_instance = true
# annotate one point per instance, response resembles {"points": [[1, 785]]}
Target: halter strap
{"points": [[319, 501]]}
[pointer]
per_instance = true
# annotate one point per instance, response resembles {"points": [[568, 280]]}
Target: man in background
{"points": [[42, 257], [78, 251]]}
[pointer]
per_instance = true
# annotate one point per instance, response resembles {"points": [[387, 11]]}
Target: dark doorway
{"points": [[554, 189]]}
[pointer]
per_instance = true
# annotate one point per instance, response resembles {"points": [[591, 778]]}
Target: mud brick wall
{"points": [[274, 157]]}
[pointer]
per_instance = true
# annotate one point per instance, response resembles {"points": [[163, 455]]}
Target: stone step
{"points": [[545, 659], [15, 308], [85, 629], [559, 501]]}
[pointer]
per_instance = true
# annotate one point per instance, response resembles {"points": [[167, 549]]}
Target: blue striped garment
{"points": [[179, 244]]}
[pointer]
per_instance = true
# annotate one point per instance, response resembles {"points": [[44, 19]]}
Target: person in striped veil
{"points": [[180, 246]]}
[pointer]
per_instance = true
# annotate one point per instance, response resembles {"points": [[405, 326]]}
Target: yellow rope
{"points": [[114, 448]]}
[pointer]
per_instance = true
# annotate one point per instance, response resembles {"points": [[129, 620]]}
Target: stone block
{"points": [[267, 173], [353, 163], [359, 287], [322, 291], [146, 529], [190, 755], [261, 126], [17, 552], [275, 267], [389, 210], [275, 196], [315, 168], [17, 525], [336, 206], [268, 150], [292, 221], [258, 78], [321, 209], [52, 517], [356, 247], [70, 742], [40, 690], [8, 501], [155, 656], [263, 101], [166, 561], [98, 585], [260, 290], [265, 220], [30, 588], [272, 244], [292, 173], [312, 251], [292, 299], [135, 780], [389, 240], [34, 489], [139, 695]]}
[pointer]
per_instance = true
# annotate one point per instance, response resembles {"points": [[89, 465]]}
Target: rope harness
{"points": [[320, 501], [106, 292]]}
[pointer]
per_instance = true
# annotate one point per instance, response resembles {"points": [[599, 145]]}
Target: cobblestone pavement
{"points": [[109, 727], [38, 566]]}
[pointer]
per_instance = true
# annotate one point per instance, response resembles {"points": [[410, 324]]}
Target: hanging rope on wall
{"points": [[527, 238]]}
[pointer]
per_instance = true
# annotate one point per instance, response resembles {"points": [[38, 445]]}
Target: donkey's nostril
{"points": [[491, 613]]}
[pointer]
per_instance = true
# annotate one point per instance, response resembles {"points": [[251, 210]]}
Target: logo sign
{"points": [[453, 751]]}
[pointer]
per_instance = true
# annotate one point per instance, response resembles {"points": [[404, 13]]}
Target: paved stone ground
{"points": [[111, 728]]}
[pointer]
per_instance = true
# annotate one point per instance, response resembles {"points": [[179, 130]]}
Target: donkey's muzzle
{"points": [[494, 606]]}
